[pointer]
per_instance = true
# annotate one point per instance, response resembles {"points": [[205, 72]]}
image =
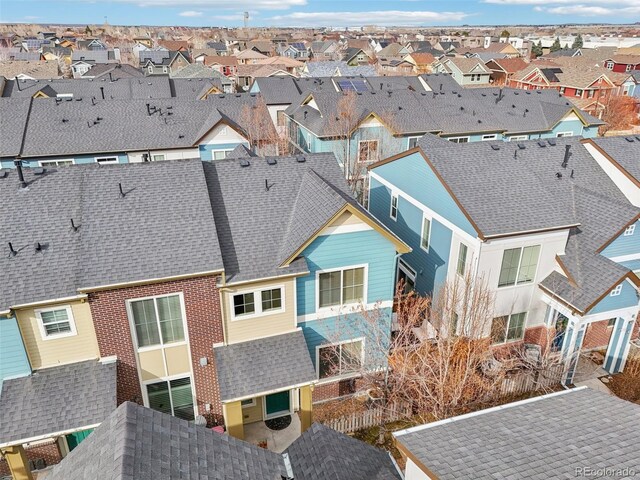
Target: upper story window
{"points": [[368, 151], [394, 207], [518, 138], [55, 163], [106, 160], [508, 328], [459, 139], [413, 142], [627, 68], [616, 291], [158, 157], [56, 322], [341, 287], [462, 259], [158, 320], [492, 136], [562, 89], [519, 265], [609, 65], [425, 233], [579, 92], [564, 134], [258, 302], [630, 230], [220, 154]]}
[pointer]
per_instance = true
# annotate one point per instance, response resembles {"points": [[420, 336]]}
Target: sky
{"points": [[320, 13]]}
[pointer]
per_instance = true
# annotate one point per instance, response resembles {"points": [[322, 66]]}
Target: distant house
{"points": [[219, 47], [175, 45], [528, 439], [422, 62], [113, 71], [83, 60], [336, 69], [146, 41], [295, 50], [27, 70], [394, 66], [90, 44], [393, 50], [249, 57], [226, 65], [324, 50], [162, 62], [465, 71], [503, 69], [623, 63], [355, 56]]}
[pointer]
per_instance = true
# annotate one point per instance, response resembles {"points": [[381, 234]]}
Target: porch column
{"points": [[618, 349], [18, 463], [306, 407], [232, 412], [571, 348]]}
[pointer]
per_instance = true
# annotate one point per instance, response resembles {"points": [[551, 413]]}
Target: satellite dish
{"points": [[201, 421]]}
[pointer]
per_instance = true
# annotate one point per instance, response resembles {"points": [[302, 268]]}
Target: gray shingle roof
{"points": [[548, 437], [57, 399], [138, 443], [624, 150], [163, 227], [258, 366], [321, 453], [339, 68], [513, 189]]}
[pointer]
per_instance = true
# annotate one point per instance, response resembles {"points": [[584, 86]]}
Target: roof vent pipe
{"points": [[567, 154], [102, 92], [12, 251], [18, 164]]}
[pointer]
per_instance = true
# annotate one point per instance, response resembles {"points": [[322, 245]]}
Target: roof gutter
{"points": [[150, 280], [45, 302], [529, 232], [268, 392], [47, 436]]}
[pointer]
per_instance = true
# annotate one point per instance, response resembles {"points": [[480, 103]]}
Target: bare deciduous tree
{"points": [[262, 134]]}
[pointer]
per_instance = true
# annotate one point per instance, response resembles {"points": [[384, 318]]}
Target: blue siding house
{"points": [[13, 356]]}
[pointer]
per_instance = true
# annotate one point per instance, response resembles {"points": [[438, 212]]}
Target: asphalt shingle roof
{"points": [[547, 437], [138, 443], [624, 150], [321, 453], [258, 366], [57, 399], [163, 227]]}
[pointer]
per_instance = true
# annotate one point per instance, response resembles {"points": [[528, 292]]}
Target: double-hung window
{"points": [[341, 287], [258, 302], [394, 207], [56, 322], [518, 265], [158, 320], [508, 328], [174, 397], [368, 151], [340, 359], [630, 230], [425, 233], [462, 259], [413, 142], [459, 139], [220, 154], [106, 160]]}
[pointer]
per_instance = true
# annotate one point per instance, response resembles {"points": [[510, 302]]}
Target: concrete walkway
{"points": [[277, 441], [595, 384]]}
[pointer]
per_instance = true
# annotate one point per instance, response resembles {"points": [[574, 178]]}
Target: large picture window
{"points": [[174, 397], [368, 151], [341, 287], [518, 265], [158, 320], [340, 359], [508, 328]]}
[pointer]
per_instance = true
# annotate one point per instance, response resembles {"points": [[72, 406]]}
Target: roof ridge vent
{"points": [[301, 159], [244, 162]]}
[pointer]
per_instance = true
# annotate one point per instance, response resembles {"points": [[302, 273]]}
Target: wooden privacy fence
{"points": [[531, 381], [369, 418]]}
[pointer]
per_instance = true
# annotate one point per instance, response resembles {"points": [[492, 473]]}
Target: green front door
{"points": [[277, 404], [74, 439]]}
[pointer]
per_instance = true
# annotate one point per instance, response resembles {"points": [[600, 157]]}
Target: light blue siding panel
{"points": [[627, 298], [613, 345], [624, 244], [13, 356], [413, 175], [342, 250], [431, 267], [206, 150], [631, 265]]}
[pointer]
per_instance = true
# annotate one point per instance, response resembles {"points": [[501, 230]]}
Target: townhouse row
{"points": [[229, 292], [550, 227]]}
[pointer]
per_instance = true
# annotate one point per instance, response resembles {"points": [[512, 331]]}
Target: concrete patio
{"points": [[277, 441]]}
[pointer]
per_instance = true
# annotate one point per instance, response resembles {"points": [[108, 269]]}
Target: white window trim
{"points": [[524, 328], [535, 273], [630, 230], [249, 405], [107, 162], [160, 345], [334, 344], [466, 259], [145, 394], [48, 163], [228, 150], [339, 308], [518, 138], [360, 142], [279, 414], [409, 140], [43, 332], [153, 155], [397, 197], [617, 290], [489, 137], [406, 269], [451, 139], [257, 301], [428, 247], [564, 134]]}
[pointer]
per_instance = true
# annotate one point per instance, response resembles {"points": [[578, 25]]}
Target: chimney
{"points": [[18, 164]]}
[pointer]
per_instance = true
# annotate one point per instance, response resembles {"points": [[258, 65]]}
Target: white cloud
{"points": [[589, 10], [190, 13], [386, 17], [219, 4]]}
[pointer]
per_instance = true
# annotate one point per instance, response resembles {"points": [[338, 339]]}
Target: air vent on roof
{"points": [[3, 174], [271, 161], [516, 93], [638, 138], [552, 142], [244, 162], [542, 144], [38, 171], [495, 147], [528, 93], [301, 159], [521, 146], [629, 139]]}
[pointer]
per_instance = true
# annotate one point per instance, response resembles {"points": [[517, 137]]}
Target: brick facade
{"points": [[341, 388], [204, 325], [597, 335], [48, 451]]}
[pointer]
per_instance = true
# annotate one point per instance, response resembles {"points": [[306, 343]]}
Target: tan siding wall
{"points": [[253, 414], [151, 364], [177, 360], [265, 325], [49, 353]]}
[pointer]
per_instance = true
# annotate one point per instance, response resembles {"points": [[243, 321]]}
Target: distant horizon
{"points": [[322, 13]]}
